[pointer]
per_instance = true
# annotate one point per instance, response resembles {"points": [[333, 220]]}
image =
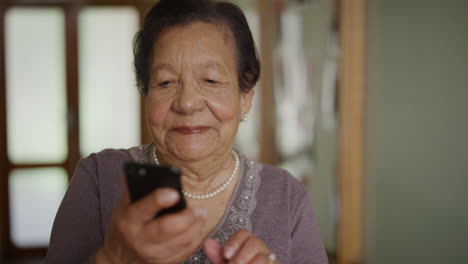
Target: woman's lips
{"points": [[188, 130]]}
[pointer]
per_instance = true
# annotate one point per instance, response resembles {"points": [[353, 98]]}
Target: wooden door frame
{"points": [[351, 90], [352, 23]]}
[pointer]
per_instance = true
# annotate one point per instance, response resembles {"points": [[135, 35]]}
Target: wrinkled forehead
{"points": [[221, 26], [206, 42]]}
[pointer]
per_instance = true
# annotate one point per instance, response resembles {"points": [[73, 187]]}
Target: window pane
{"points": [[35, 195], [109, 101], [35, 71]]}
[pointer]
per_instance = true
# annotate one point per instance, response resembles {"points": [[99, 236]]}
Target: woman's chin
{"points": [[192, 147], [191, 153]]}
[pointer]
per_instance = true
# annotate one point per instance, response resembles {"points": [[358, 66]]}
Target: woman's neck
{"points": [[203, 175]]}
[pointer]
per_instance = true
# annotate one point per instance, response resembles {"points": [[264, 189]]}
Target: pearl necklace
{"points": [[213, 193]]}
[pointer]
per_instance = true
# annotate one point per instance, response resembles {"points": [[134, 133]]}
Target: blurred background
{"points": [[365, 101]]}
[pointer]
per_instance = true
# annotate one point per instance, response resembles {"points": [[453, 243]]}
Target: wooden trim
{"points": [[144, 132], [351, 157], [36, 165], [26, 253], [72, 88], [4, 164], [267, 134]]}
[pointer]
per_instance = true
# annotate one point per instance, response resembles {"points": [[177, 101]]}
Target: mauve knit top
{"points": [[268, 201]]}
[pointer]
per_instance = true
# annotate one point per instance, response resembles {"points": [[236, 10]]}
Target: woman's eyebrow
{"points": [[213, 65]]}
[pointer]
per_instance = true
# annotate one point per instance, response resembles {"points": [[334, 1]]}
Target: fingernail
{"points": [[200, 212], [170, 196], [229, 252]]}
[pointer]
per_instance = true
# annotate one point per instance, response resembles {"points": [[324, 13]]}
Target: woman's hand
{"points": [[135, 237], [243, 247]]}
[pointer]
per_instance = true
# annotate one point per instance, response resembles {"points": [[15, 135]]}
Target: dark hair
{"points": [[170, 13]]}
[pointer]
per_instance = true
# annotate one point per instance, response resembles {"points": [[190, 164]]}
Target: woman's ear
{"points": [[246, 101]]}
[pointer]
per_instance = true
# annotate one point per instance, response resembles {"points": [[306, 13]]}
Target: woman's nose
{"points": [[188, 99]]}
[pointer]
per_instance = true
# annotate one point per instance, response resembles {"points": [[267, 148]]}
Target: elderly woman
{"points": [[196, 66]]}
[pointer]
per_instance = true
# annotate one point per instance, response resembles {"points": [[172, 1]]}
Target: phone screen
{"points": [[142, 179]]}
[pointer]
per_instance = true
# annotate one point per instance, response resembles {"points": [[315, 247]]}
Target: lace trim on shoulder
{"points": [[240, 211]]}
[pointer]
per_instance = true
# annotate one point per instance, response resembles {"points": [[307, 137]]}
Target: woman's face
{"points": [[194, 104]]}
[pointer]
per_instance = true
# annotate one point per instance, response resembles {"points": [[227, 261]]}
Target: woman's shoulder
{"points": [[276, 186], [277, 179], [107, 161], [111, 155]]}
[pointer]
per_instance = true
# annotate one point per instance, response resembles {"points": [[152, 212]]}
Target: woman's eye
{"points": [[164, 84], [211, 82]]}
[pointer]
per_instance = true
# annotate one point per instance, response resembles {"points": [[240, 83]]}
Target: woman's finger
{"points": [[262, 259], [146, 208], [235, 243], [251, 247], [213, 251]]}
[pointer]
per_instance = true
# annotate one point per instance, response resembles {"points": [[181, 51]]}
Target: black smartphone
{"points": [[142, 179]]}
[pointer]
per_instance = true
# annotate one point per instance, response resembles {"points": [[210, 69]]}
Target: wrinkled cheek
{"points": [[224, 108], [156, 112]]}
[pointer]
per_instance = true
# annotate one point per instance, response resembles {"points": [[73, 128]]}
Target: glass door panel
{"points": [[35, 74], [35, 195], [109, 100]]}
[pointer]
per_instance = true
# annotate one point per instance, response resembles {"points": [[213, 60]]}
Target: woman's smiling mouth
{"points": [[189, 130]]}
